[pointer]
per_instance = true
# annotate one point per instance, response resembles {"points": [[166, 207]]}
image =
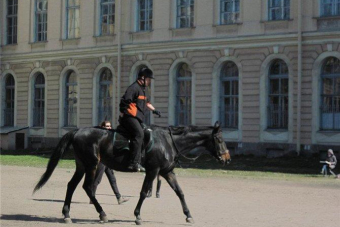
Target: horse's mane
{"points": [[178, 130]]}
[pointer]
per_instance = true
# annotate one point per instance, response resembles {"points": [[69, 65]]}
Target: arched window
{"points": [[9, 101], [330, 94], [229, 95], [183, 95], [71, 101], [39, 101], [105, 96], [278, 95]]}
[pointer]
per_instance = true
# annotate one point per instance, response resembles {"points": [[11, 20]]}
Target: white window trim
{"points": [[33, 75], [321, 137], [96, 86], [2, 92], [275, 135], [172, 86], [230, 135], [62, 129]]}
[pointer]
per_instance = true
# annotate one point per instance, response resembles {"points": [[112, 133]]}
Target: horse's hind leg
{"points": [[147, 184], [88, 187], [159, 183], [71, 186], [171, 179]]}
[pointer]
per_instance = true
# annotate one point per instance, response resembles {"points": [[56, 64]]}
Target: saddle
{"points": [[121, 139]]}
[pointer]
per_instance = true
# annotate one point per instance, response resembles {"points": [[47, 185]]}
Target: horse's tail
{"points": [[63, 144]]}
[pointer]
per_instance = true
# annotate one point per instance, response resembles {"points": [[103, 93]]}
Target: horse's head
{"points": [[220, 151]]}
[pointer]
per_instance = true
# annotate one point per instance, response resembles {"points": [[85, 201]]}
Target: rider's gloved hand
{"points": [[157, 112]]}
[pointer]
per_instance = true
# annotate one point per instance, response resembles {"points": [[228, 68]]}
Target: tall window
{"points": [[9, 101], [230, 11], [183, 95], [105, 96], [279, 9], [330, 94], [39, 101], [185, 13], [41, 20], [107, 10], [145, 15], [330, 8], [278, 95], [72, 19], [71, 100], [12, 21], [229, 95]]}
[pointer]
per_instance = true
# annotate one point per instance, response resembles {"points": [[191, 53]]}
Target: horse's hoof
{"points": [[103, 219], [158, 196], [138, 221], [68, 220], [190, 220]]}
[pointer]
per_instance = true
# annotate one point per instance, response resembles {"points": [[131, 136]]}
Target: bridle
{"points": [[179, 153]]}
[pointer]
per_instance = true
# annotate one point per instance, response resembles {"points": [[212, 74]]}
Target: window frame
{"points": [[335, 10], [282, 110], [67, 26], [234, 12], [232, 122], [39, 112], [12, 22], [102, 109], [147, 11], [44, 23], [9, 120], [282, 8], [333, 77], [68, 99], [190, 17], [109, 4], [187, 111]]}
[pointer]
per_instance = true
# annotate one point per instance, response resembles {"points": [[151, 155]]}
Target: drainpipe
{"points": [[119, 57], [298, 123]]}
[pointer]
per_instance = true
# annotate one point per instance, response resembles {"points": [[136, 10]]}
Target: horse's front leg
{"points": [[147, 184], [88, 187], [171, 179]]}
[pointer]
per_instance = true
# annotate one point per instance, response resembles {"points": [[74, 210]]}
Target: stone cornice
{"points": [[183, 45]]}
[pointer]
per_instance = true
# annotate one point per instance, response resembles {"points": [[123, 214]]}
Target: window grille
{"points": [[183, 95], [229, 95], [185, 13], [12, 21], [278, 95]]}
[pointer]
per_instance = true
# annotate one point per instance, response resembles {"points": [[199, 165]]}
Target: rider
{"points": [[133, 106]]}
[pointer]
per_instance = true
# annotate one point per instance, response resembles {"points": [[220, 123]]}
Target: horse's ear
{"points": [[217, 124]]}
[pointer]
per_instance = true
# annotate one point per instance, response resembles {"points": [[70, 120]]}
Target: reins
{"points": [[179, 153]]}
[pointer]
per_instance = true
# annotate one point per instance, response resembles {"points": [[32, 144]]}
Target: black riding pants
{"points": [[133, 126], [101, 168]]}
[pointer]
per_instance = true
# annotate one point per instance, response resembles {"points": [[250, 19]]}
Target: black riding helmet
{"points": [[146, 72]]}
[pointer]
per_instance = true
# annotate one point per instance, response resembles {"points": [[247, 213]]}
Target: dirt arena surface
{"points": [[213, 202]]}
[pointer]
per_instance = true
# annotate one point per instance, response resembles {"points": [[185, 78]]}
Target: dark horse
{"points": [[93, 145]]}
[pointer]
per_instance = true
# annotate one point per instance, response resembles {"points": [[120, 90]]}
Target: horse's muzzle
{"points": [[225, 158]]}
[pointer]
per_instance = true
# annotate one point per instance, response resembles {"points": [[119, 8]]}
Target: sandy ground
{"points": [[212, 201]]}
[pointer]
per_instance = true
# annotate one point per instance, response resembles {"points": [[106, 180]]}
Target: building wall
{"points": [[251, 44]]}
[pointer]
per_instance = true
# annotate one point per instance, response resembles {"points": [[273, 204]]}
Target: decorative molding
{"points": [[103, 59], [276, 49], [328, 23], [140, 56], [69, 61], [227, 52], [7, 66], [329, 47]]}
